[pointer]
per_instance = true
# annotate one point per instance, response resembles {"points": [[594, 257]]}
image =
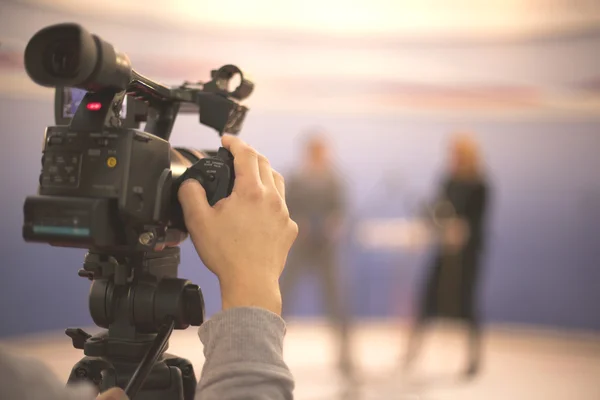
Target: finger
{"points": [[194, 203], [113, 394], [245, 161], [279, 184], [266, 172]]}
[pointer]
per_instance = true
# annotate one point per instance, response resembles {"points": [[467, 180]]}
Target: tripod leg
{"points": [[96, 371], [187, 372], [165, 382]]}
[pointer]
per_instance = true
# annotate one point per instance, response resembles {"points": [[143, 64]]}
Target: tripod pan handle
{"points": [[145, 367]]}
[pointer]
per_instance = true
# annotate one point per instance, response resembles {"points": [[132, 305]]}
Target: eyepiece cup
{"points": [[67, 55], [61, 55]]}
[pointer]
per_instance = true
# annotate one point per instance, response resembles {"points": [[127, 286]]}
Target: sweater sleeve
{"points": [[243, 348]]}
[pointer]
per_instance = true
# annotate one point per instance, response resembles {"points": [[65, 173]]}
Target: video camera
{"points": [[105, 184], [109, 187]]}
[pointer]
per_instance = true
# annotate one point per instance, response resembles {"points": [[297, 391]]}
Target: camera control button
{"points": [[55, 140], [111, 162], [102, 142]]}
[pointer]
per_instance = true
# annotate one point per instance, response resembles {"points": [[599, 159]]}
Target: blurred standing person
{"points": [[316, 201], [451, 287]]}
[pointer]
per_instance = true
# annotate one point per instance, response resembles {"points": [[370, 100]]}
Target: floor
{"points": [[519, 364]]}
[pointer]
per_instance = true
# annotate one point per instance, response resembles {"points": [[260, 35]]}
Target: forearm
{"points": [[243, 348], [251, 292]]}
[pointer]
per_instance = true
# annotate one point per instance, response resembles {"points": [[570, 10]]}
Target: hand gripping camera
{"points": [[112, 189]]}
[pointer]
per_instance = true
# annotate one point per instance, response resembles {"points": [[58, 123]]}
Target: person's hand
{"points": [[245, 238], [113, 394]]}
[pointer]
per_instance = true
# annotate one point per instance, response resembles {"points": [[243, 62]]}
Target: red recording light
{"points": [[94, 106]]}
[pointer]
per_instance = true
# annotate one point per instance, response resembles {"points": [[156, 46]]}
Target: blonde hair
{"points": [[466, 156]]}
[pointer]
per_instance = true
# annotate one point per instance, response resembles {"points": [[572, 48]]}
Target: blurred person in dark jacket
{"points": [[315, 198], [453, 278]]}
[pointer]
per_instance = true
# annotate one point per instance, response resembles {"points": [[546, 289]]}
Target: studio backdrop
{"points": [[388, 107]]}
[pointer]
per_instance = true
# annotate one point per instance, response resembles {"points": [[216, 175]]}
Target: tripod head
{"points": [[139, 300]]}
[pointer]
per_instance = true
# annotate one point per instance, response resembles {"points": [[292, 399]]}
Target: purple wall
{"points": [[543, 266]]}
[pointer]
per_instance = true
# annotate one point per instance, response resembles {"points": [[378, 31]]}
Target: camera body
{"points": [[96, 185], [104, 184]]}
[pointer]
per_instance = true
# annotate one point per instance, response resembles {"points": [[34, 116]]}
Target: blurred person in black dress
{"points": [[316, 201], [452, 282]]}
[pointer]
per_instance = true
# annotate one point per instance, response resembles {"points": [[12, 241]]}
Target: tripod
{"points": [[139, 299]]}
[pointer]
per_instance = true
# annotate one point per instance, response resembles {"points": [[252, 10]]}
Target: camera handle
{"points": [[215, 174]]}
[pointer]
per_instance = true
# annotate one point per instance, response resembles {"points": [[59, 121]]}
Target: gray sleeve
{"points": [[27, 379], [243, 348]]}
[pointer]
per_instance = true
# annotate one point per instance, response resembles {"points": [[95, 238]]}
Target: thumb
{"points": [[194, 203], [113, 394]]}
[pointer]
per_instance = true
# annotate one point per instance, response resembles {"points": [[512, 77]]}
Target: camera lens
{"points": [[61, 58]]}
